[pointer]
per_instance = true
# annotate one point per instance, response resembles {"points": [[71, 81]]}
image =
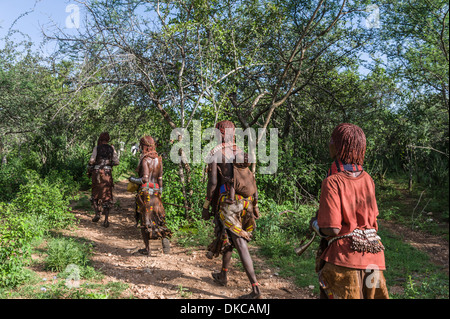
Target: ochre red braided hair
{"points": [[226, 129], [349, 143], [148, 147], [103, 138]]}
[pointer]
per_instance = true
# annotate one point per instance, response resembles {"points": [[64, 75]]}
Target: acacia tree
{"points": [[30, 91], [414, 36], [157, 48], [281, 48], [190, 55]]}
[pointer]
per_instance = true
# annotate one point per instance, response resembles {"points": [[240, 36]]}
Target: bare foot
{"points": [[144, 251], [219, 278], [252, 295]]}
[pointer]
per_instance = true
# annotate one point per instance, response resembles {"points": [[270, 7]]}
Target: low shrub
{"points": [[127, 164], [16, 235], [64, 252], [196, 233], [39, 207], [46, 203]]}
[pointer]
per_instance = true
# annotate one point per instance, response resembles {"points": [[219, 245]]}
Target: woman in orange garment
{"points": [[352, 261]]}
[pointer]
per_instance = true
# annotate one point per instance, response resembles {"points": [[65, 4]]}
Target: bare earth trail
{"points": [[184, 273], [436, 247]]}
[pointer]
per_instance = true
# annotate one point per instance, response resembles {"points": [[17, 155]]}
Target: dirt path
{"points": [[184, 273], [436, 247]]}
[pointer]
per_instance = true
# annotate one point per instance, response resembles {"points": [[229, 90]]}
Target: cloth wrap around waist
{"points": [[150, 207], [236, 217], [102, 184]]}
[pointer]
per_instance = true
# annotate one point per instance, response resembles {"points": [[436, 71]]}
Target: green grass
{"points": [[57, 288], [280, 253], [278, 235], [412, 269], [195, 234], [70, 275], [410, 274], [83, 203], [424, 208], [63, 251]]}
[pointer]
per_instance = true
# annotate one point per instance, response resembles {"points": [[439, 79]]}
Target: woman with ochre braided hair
{"points": [[351, 259], [150, 211], [103, 158], [232, 194]]}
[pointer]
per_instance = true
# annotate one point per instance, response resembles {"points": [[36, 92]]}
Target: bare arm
{"points": [[211, 187], [93, 156], [145, 171], [212, 180], [160, 181], [324, 232], [330, 232], [255, 205]]}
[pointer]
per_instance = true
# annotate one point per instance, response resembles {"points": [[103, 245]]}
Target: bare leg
{"points": [[145, 237], [166, 245], [106, 213], [96, 210], [221, 277], [137, 216], [247, 262]]}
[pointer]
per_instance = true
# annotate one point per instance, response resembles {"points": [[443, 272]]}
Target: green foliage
{"points": [[127, 166], [39, 207], [422, 279], [428, 286], [287, 219], [63, 252], [49, 122], [173, 194], [197, 233], [45, 203], [57, 288], [423, 209], [279, 231], [16, 235], [11, 177], [297, 178]]}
